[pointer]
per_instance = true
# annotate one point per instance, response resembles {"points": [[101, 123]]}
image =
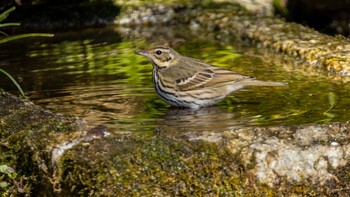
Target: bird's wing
{"points": [[204, 75], [197, 79]]}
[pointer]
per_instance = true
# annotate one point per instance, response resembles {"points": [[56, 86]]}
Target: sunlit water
{"points": [[96, 75]]}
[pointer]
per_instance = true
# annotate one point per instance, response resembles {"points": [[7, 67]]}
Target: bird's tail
{"points": [[254, 82]]}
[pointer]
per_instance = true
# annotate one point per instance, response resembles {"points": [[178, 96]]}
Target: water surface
{"points": [[95, 75]]}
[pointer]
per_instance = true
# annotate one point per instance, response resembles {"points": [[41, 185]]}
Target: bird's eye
{"points": [[159, 52]]}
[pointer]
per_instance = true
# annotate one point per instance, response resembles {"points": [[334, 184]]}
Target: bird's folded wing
{"points": [[211, 77], [196, 80]]}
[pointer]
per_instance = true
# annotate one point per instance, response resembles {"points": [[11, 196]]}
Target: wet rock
{"points": [[28, 136], [149, 15], [260, 7], [309, 155], [304, 153], [298, 160]]}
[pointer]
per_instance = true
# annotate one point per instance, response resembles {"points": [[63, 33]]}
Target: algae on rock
{"points": [[28, 135]]}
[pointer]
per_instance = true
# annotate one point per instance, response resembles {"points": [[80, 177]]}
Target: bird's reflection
{"points": [[195, 120]]}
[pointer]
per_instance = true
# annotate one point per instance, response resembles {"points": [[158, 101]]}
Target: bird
{"points": [[191, 83]]}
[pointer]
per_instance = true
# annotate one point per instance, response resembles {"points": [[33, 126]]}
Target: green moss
{"points": [[136, 164], [147, 165], [12, 184], [26, 132], [16, 155]]}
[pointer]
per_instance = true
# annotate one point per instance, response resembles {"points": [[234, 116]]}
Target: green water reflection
{"points": [[95, 75]]}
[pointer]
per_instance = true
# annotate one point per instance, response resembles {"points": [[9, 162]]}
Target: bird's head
{"points": [[162, 57]]}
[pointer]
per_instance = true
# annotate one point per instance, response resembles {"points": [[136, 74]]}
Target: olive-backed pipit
{"points": [[187, 82]]}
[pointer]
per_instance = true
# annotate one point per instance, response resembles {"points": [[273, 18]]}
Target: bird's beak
{"points": [[143, 53]]}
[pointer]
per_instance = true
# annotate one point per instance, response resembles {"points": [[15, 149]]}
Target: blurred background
{"points": [[327, 16]]}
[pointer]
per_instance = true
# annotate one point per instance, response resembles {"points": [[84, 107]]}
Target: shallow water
{"points": [[95, 75]]}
